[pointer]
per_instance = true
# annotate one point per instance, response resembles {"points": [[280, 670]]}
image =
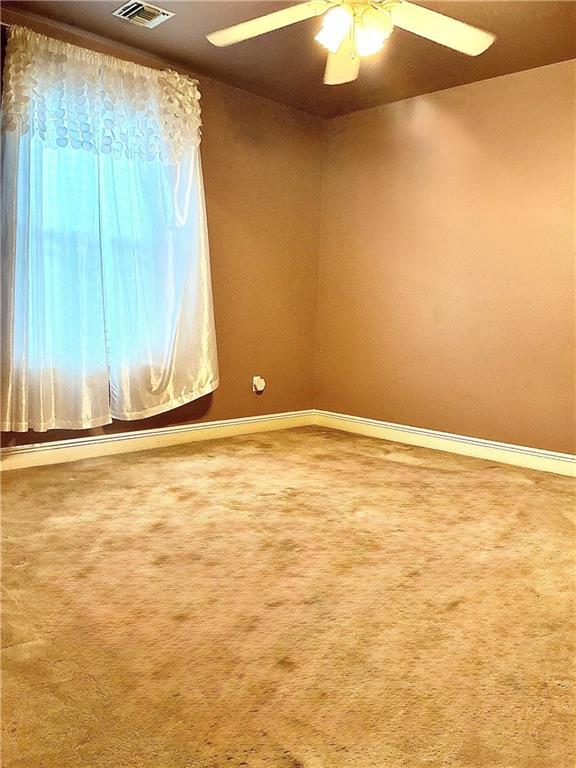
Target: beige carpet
{"points": [[303, 599]]}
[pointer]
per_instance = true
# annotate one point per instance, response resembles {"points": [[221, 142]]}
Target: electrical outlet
{"points": [[258, 384]]}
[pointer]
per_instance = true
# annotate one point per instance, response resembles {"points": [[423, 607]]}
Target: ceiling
{"points": [[287, 65]]}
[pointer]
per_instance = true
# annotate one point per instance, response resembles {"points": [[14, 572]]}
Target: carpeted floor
{"points": [[300, 599]]}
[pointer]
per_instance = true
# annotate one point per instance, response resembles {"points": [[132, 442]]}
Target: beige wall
{"points": [[262, 178], [437, 287], [262, 175], [446, 274]]}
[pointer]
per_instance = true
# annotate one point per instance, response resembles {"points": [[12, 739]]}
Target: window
{"points": [[106, 276]]}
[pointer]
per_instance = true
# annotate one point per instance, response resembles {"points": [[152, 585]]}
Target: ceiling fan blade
{"points": [[268, 23], [342, 66], [441, 29]]}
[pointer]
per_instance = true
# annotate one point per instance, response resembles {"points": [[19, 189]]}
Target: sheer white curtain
{"points": [[106, 293]]}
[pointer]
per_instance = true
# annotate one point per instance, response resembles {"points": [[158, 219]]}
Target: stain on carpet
{"points": [[302, 599]]}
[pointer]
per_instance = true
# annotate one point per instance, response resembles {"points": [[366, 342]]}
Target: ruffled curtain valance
{"points": [[70, 96]]}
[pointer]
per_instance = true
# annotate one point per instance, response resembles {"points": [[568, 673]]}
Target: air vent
{"points": [[142, 14]]}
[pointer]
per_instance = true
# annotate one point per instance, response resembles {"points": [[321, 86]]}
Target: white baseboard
{"points": [[39, 454], [490, 450], [60, 451]]}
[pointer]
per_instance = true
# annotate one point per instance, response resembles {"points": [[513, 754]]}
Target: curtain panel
{"points": [[106, 292]]}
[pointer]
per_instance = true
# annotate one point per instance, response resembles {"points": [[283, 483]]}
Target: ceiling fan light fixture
{"points": [[368, 40], [335, 26], [374, 28], [378, 19], [353, 29]]}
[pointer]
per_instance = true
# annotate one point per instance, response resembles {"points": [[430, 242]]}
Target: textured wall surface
{"points": [[416, 261], [262, 177], [446, 275]]}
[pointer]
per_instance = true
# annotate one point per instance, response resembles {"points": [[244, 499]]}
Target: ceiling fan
{"points": [[358, 28]]}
